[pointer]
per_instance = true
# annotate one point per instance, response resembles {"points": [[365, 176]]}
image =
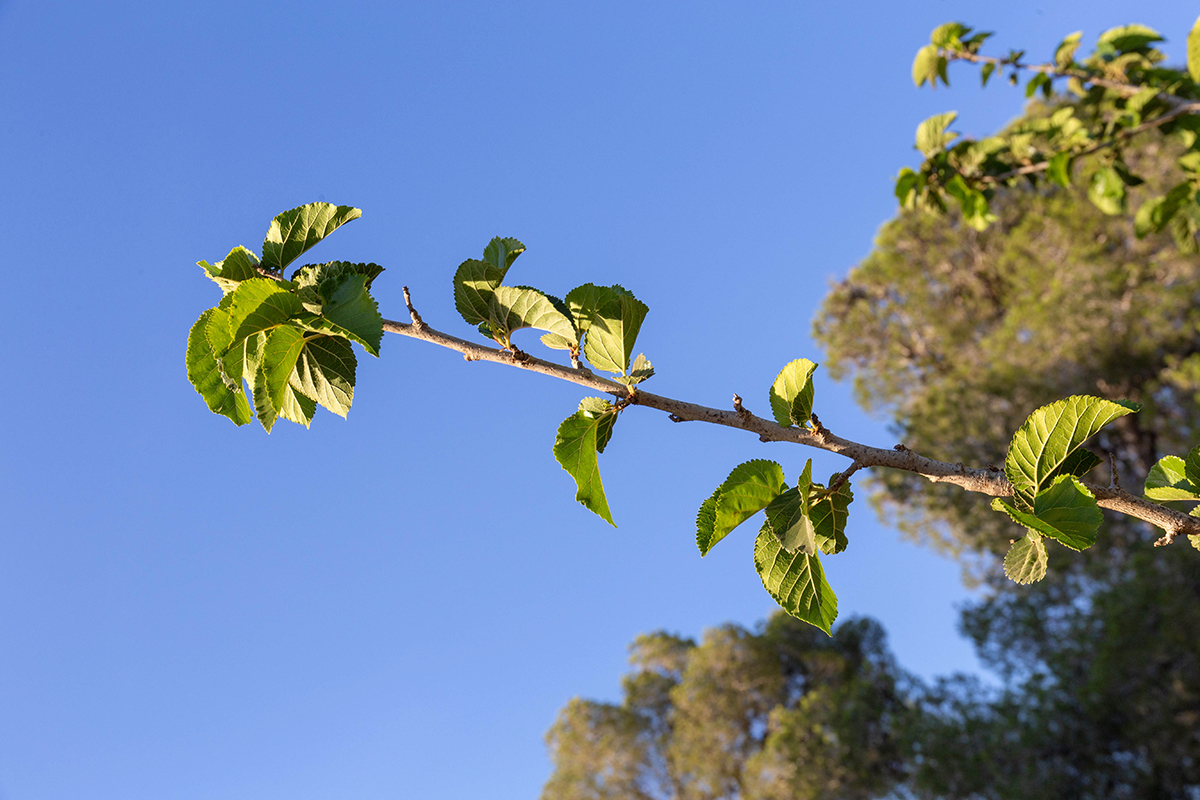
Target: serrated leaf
{"points": [[515, 307], [351, 313], [1050, 435], [1193, 52], [474, 284], [295, 231], [501, 253], [325, 372], [205, 375], [236, 267], [749, 489], [1026, 559], [613, 333], [584, 301], [932, 136], [795, 580], [1064, 54], [641, 369], [789, 521], [605, 415], [706, 520], [1065, 511], [324, 276], [1168, 480], [279, 356], [258, 305], [829, 515], [1191, 466], [792, 393], [575, 451]]}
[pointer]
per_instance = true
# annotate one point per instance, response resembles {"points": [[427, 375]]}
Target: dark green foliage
{"points": [[781, 712]]}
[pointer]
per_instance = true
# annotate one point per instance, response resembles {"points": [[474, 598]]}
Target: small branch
{"points": [[981, 481], [1114, 481], [417, 322], [842, 478], [1052, 71]]}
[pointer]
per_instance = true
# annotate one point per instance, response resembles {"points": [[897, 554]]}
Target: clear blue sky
{"points": [[397, 605]]}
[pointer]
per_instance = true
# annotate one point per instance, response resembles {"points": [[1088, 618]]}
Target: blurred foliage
{"points": [[781, 712], [957, 334]]}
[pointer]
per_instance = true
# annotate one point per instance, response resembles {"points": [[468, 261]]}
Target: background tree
{"points": [[780, 712]]}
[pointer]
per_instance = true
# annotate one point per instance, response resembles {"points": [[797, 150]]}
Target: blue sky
{"points": [[396, 605]]}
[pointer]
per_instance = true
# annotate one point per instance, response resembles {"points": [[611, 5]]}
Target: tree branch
{"points": [[990, 481]]}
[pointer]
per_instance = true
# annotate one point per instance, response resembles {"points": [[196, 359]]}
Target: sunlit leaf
{"points": [[795, 580], [295, 231]]}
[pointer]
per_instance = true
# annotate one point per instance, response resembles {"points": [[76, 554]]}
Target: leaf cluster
{"points": [[801, 522], [1120, 90], [283, 346]]}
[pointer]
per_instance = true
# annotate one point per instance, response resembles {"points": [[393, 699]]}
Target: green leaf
{"points": [[474, 284], [1193, 52], [788, 520], [706, 520], [749, 489], [795, 580], [792, 393], [1059, 170], [575, 450], [1040, 80], [260, 304], [1065, 511], [613, 332], [829, 514], [641, 370], [986, 73], [949, 35], [1157, 212], [1064, 54], [908, 184], [238, 266], [351, 313], [501, 253], [1127, 38], [1079, 463], [932, 136], [205, 375], [325, 372], [320, 368], [1195, 540], [1191, 466], [515, 307], [295, 231], [605, 414], [1049, 436], [1168, 480], [324, 277], [1107, 191], [925, 65], [1026, 559]]}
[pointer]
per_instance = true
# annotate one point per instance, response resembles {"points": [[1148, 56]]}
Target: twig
{"points": [[981, 481], [417, 322], [1113, 481]]}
